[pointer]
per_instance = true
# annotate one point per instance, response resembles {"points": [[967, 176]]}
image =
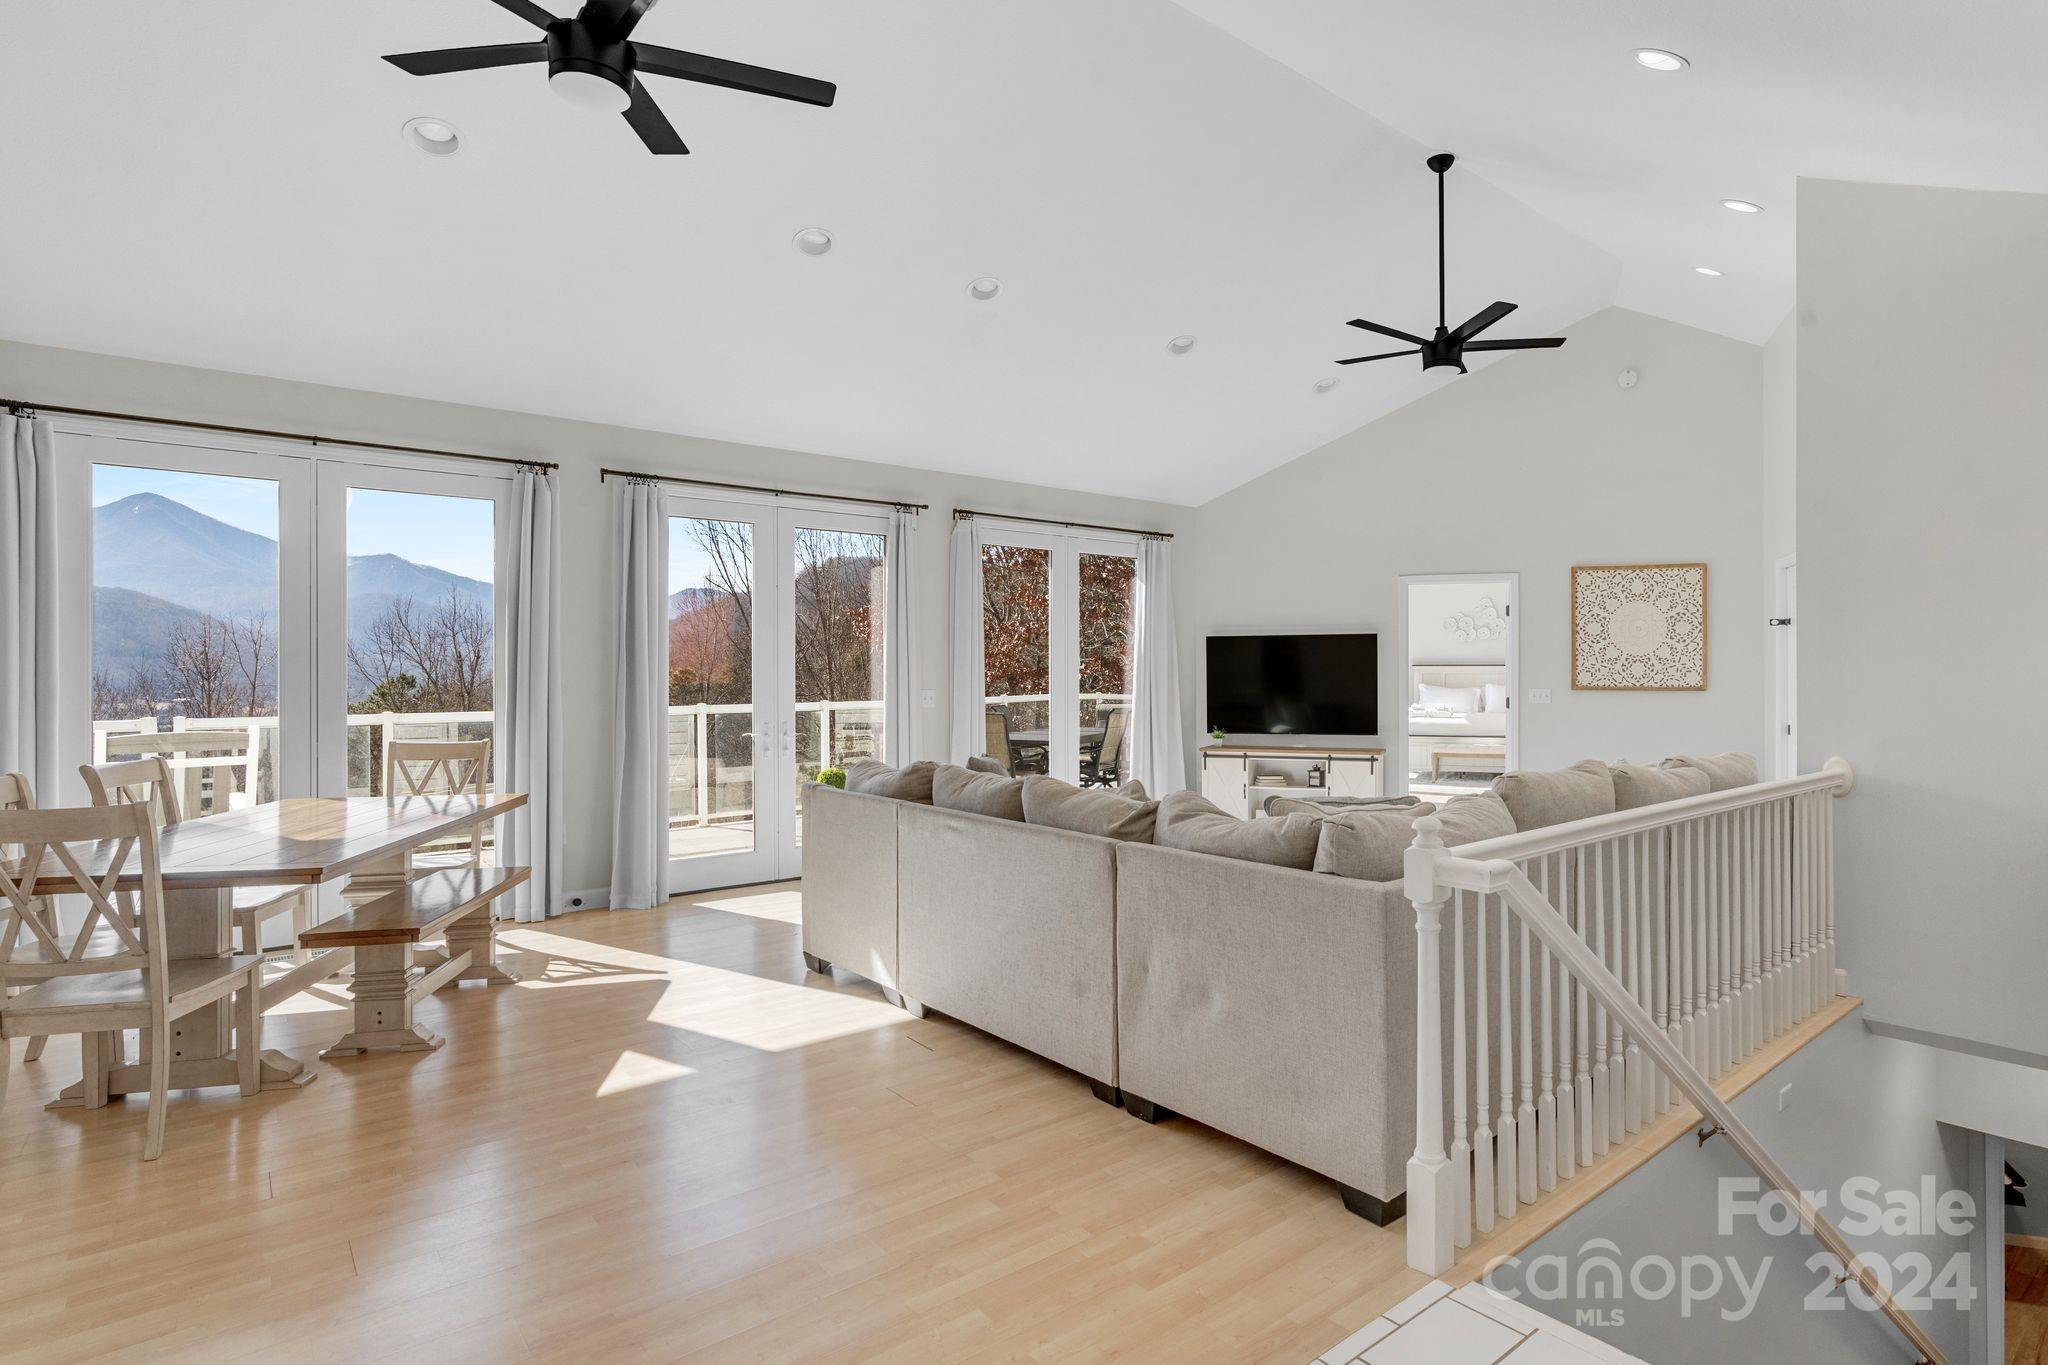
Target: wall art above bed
{"points": [[1639, 627]]}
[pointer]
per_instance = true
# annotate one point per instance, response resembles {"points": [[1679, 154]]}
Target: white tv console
{"points": [[1229, 772]]}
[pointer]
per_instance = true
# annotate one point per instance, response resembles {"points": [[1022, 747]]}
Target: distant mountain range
{"points": [[157, 561]]}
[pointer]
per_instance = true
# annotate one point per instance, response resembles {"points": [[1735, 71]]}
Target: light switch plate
{"points": [[1538, 695]]}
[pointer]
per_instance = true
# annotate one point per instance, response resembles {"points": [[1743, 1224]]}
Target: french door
{"points": [[775, 646], [1058, 628]]}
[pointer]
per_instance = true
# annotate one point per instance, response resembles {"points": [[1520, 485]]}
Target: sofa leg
{"points": [[818, 965], [1108, 1094], [1145, 1110], [1374, 1210], [913, 1008]]}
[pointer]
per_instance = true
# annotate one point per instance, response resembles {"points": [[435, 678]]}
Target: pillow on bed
{"points": [[1462, 701], [1494, 697]]}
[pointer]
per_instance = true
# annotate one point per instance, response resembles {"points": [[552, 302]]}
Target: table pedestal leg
{"points": [[197, 923], [383, 994], [477, 934]]}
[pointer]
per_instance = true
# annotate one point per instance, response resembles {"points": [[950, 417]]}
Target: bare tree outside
{"points": [[433, 657]]}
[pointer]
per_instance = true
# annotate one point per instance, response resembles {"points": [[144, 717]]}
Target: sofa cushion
{"points": [[1367, 843], [1088, 810], [1301, 805], [982, 763], [1636, 784], [978, 793], [1468, 819], [875, 778], [1187, 820], [1536, 800], [1723, 770]]}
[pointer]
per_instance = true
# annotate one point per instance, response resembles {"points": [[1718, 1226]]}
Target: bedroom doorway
{"points": [[1457, 725]]}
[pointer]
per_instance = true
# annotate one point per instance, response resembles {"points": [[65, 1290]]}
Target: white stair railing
{"points": [[1602, 973]]}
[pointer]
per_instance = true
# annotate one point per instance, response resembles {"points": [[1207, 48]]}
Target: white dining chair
{"points": [[441, 767]]}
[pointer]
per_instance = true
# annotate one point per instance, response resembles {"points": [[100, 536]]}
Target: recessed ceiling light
{"points": [[1707, 270], [1741, 206], [1326, 383], [813, 241], [985, 288], [1181, 344], [434, 136], [1657, 59]]}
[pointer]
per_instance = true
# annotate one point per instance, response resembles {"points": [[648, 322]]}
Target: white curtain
{"points": [[639, 696], [970, 731], [530, 694], [899, 641], [28, 603], [1158, 751]]}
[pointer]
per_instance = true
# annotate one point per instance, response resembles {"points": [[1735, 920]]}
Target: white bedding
{"points": [[1482, 723]]}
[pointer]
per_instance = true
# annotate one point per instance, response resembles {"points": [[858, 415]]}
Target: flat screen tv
{"points": [[1294, 684]]}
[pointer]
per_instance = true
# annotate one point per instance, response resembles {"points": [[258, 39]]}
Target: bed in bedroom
{"points": [[1457, 720]]}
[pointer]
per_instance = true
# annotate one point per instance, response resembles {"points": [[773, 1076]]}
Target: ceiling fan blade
{"points": [[1481, 320], [620, 16], [1394, 332], [530, 12], [1525, 344], [1384, 355], [755, 80], [653, 126], [449, 59]]}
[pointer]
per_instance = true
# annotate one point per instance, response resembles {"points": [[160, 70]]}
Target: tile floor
{"points": [[1438, 1325]]}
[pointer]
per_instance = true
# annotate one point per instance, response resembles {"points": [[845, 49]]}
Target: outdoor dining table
{"points": [[301, 841]]}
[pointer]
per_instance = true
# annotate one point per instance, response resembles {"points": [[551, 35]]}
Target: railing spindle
{"points": [[1482, 1134], [1567, 1112], [1582, 1032], [1461, 1145], [1506, 1137], [1546, 1087], [1525, 1113]]}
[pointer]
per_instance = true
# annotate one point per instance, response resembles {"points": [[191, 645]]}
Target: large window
{"points": [[710, 687], [1058, 621]]}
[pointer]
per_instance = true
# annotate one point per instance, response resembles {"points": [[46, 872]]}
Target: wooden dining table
{"points": [[299, 841]]}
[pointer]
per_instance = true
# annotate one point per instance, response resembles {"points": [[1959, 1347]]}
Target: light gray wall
{"points": [[1861, 1105], [1923, 423], [1533, 465], [80, 379]]}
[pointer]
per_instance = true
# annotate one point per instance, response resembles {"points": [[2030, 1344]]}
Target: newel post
{"points": [[1432, 1203]]}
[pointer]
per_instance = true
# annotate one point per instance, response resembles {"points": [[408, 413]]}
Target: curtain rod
{"points": [[962, 514], [20, 406], [604, 474]]}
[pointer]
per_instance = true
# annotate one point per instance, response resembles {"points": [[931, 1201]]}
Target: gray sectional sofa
{"points": [[1273, 1003]]}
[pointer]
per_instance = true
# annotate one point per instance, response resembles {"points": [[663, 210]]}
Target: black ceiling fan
{"points": [[1449, 344], [592, 63]]}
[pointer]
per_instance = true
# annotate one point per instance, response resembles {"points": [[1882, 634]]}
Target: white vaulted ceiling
{"points": [[225, 185], [1543, 100]]}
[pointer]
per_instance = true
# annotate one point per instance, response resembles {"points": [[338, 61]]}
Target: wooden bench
{"points": [[385, 934]]}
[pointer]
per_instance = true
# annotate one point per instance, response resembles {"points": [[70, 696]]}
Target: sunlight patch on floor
{"points": [[635, 1069]]}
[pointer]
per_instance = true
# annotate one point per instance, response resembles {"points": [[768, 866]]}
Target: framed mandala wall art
{"points": [[1639, 627]]}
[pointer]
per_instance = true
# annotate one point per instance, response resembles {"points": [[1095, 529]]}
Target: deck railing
{"points": [[1602, 973]]}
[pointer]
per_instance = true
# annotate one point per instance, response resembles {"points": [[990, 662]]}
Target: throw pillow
{"points": [[875, 778], [1637, 784], [1088, 810], [977, 793], [982, 763], [1468, 819], [1536, 800], [1337, 805], [1188, 821], [1724, 771], [1367, 842]]}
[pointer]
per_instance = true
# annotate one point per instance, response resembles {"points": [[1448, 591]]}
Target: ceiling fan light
{"points": [[587, 90], [1657, 59]]}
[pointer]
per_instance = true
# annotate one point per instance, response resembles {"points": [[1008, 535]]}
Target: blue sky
{"points": [[449, 533]]}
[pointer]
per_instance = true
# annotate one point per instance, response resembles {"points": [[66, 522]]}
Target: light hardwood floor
{"points": [[668, 1142]]}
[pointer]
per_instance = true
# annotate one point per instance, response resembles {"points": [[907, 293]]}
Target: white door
{"points": [[193, 564], [725, 791], [408, 615], [1785, 715]]}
